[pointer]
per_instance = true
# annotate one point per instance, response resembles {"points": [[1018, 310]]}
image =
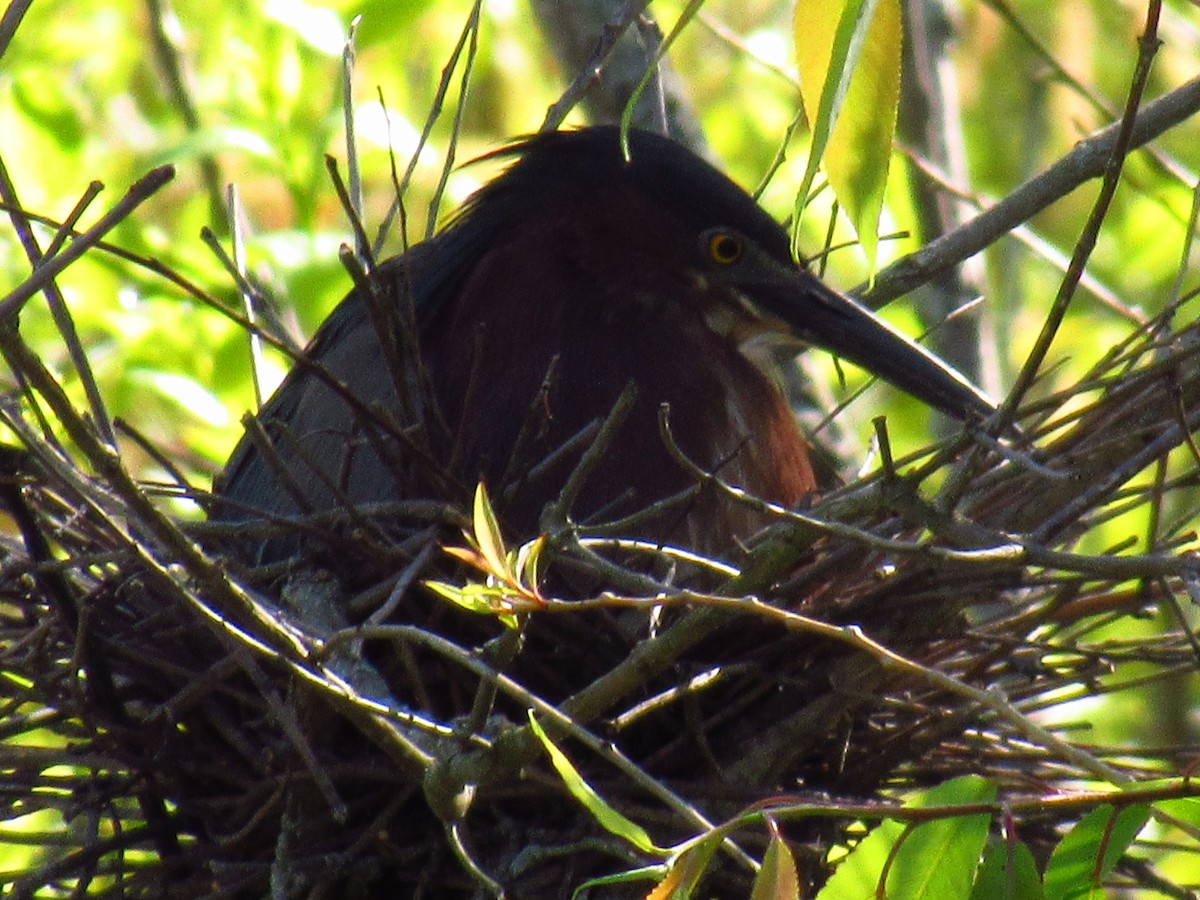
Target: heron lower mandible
{"points": [[573, 274]]}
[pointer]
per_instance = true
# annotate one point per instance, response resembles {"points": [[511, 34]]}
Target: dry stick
{"points": [[557, 514], [421, 393], [1035, 804], [1106, 481], [610, 35], [194, 579], [472, 33], [301, 361], [345, 195], [11, 21], [1118, 146], [237, 243], [1148, 45], [67, 228], [167, 56], [518, 747], [1162, 160], [54, 298], [1089, 159], [853, 636], [824, 526], [435, 111], [139, 192], [655, 655], [1026, 234], [361, 246]]}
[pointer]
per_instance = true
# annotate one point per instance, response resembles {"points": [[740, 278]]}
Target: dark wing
{"points": [[325, 444]]}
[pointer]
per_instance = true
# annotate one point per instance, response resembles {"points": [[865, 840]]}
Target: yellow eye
{"points": [[725, 248]]}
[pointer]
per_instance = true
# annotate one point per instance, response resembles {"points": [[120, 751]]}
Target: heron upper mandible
{"points": [[569, 276]]}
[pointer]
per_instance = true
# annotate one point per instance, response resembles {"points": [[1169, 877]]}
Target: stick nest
{"points": [[182, 724]]}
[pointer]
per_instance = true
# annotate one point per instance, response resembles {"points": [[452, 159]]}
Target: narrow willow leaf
{"points": [[849, 57], [1186, 809], [609, 818], [860, 144], [828, 35], [468, 555], [487, 533], [679, 882], [477, 598], [528, 567]]}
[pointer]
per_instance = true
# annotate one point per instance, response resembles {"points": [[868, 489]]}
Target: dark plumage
{"points": [[658, 270]]}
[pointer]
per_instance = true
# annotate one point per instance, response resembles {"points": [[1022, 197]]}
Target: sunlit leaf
{"points": [[468, 555], [777, 879], [937, 859], [686, 869], [190, 394], [849, 59], [487, 533], [318, 27], [528, 566], [1186, 809], [477, 598], [1077, 866], [609, 818]]}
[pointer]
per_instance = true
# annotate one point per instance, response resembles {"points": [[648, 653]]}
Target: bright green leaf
{"points": [[609, 818], [1008, 873], [209, 141], [42, 103], [487, 533], [1076, 868], [528, 565], [937, 859], [849, 57], [184, 390], [320, 28], [477, 598], [1186, 809]]}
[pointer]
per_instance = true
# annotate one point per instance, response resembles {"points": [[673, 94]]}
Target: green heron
{"points": [[571, 275]]}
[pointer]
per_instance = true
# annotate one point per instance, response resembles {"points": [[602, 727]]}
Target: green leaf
{"points": [[849, 58], [487, 533], [935, 860], [1186, 809], [686, 869], [1077, 866], [1008, 873], [644, 873], [477, 598], [609, 818], [777, 879], [528, 567]]}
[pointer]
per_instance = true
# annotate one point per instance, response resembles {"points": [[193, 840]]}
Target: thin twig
{"points": [[141, 190], [1086, 160], [1091, 229]]}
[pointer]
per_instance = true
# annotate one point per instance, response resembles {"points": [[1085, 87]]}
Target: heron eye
{"points": [[724, 248]]}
